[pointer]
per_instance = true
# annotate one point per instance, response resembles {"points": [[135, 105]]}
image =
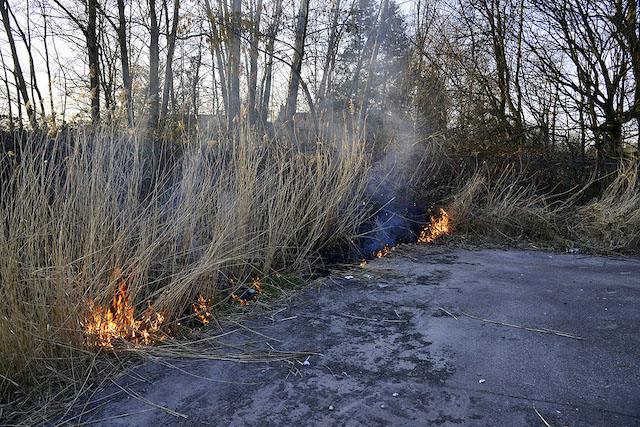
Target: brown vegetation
{"points": [[79, 211], [511, 207]]}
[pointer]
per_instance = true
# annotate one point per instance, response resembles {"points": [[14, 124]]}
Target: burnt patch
{"points": [[434, 279]]}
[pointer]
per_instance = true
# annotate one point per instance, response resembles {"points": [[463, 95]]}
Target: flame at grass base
{"points": [[250, 294], [104, 327], [437, 228], [382, 252], [202, 309], [428, 234]]}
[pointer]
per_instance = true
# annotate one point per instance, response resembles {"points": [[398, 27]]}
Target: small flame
{"points": [[382, 252], [240, 300], [201, 307], [363, 263], [436, 228], [254, 287], [105, 326]]}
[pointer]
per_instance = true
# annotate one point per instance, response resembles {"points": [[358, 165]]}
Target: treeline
{"points": [[492, 76]]}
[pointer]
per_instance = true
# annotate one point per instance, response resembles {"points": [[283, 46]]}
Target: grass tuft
{"points": [[507, 206], [611, 222]]}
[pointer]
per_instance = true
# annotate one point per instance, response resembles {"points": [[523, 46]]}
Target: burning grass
{"points": [[99, 253], [436, 228], [115, 324], [429, 233]]}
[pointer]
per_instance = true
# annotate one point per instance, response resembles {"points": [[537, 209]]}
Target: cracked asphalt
{"points": [[420, 337]]}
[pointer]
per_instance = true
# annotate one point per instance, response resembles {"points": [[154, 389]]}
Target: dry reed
{"points": [[512, 207], [507, 206], [611, 222], [80, 207]]}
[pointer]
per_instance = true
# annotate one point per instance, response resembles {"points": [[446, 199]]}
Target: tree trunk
{"points": [[215, 49], [296, 64], [329, 60], [17, 70], [627, 23], [48, 65], [94, 68], [266, 91], [6, 84], [253, 62], [26, 39], [194, 85], [154, 59], [384, 6], [234, 64], [168, 75], [124, 61]]}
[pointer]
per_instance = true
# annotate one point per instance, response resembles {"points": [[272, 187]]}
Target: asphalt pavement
{"points": [[424, 336]]}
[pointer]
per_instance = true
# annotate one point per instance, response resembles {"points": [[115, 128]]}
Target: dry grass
{"points": [[512, 208], [507, 206], [611, 222], [76, 211]]}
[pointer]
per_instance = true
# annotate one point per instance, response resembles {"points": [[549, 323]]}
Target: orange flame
{"points": [[201, 307], [105, 326], [436, 228], [240, 300], [382, 252], [255, 286]]}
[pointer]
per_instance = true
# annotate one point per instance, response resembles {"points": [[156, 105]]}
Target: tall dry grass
{"points": [[611, 222], [78, 208], [505, 206], [512, 207]]}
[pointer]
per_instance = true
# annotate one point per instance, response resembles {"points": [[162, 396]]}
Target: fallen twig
{"points": [[448, 313], [544, 331], [172, 366], [256, 332], [541, 417], [371, 319], [85, 423]]}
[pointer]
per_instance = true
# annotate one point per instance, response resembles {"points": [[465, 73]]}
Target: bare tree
{"points": [[168, 76], [124, 60], [269, 55], [627, 24], [26, 40], [94, 70], [330, 58], [154, 60], [233, 74], [47, 60], [496, 13], [6, 84], [597, 70], [89, 31], [377, 37], [216, 50], [253, 60], [296, 64], [17, 70]]}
